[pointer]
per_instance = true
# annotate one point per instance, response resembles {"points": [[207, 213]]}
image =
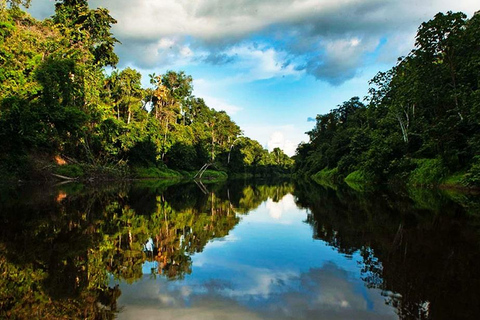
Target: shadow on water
{"points": [[420, 246]]}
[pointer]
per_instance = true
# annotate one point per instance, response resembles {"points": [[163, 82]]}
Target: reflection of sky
{"points": [[269, 266]]}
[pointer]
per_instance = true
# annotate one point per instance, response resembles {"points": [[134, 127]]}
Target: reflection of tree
{"points": [[253, 195], [47, 261], [423, 255], [187, 232], [58, 247]]}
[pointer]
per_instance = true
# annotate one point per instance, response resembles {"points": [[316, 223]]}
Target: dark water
{"points": [[237, 251]]}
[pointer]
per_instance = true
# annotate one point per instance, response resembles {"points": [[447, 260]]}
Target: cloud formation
{"points": [[329, 39], [221, 105], [278, 140]]}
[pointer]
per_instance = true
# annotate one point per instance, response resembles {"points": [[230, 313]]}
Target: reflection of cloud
{"points": [[261, 283], [204, 309], [218, 285], [325, 293], [276, 209]]}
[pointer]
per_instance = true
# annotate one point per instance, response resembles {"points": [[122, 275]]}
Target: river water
{"points": [[238, 250]]}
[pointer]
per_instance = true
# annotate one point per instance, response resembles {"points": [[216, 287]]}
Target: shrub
{"points": [[70, 170], [182, 156], [360, 176], [326, 177], [215, 175], [428, 172], [156, 173], [472, 177]]}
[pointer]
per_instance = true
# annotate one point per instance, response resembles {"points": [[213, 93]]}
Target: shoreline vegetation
{"points": [[63, 116], [419, 125]]}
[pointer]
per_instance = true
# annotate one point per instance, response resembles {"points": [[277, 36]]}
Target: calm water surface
{"points": [[238, 251]]}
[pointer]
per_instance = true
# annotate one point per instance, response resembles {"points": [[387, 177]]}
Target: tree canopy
{"points": [[421, 115], [57, 100]]}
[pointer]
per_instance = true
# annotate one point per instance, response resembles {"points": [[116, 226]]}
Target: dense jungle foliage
{"points": [[57, 101], [420, 122]]}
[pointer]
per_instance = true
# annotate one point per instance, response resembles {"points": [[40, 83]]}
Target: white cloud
{"points": [[248, 61], [220, 104], [286, 137], [331, 37], [278, 140], [171, 52], [208, 19], [341, 58], [262, 62]]}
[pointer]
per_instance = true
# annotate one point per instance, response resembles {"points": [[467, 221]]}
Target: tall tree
{"points": [[88, 27]]}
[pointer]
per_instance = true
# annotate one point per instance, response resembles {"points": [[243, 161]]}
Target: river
{"points": [[238, 250]]}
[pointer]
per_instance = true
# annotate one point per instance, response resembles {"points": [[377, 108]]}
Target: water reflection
{"points": [[266, 267], [418, 246], [60, 246], [236, 251]]}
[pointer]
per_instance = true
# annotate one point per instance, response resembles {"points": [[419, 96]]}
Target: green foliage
{"points": [[156, 173], [455, 180], [472, 177], [143, 153], [425, 107], [70, 170], [16, 3], [182, 157], [89, 28], [428, 172], [215, 175], [56, 98], [327, 177], [359, 176]]}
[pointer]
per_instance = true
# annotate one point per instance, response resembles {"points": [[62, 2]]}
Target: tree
{"points": [[15, 3], [88, 27], [126, 91]]}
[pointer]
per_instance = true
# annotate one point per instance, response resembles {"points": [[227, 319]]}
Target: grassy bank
{"points": [[327, 177], [426, 173], [45, 168]]}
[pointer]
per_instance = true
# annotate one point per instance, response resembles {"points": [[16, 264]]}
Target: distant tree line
{"points": [[420, 121], [56, 99]]}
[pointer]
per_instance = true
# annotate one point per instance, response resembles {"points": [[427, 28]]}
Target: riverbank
{"points": [[427, 173], [46, 168], [43, 168]]}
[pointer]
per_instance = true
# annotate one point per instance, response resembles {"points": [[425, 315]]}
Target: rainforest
{"points": [[124, 195], [419, 123], [63, 115]]}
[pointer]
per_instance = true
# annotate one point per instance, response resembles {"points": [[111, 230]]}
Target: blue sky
{"points": [[271, 64]]}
